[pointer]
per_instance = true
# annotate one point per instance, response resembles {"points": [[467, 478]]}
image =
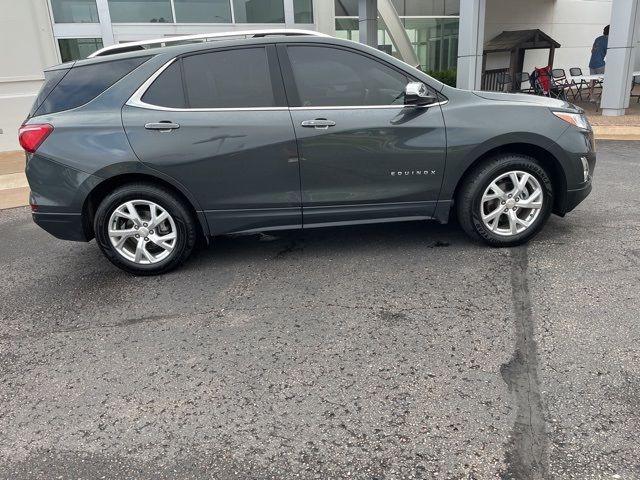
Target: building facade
{"points": [[46, 32]]}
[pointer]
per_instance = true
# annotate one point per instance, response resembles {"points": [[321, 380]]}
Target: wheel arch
{"points": [[543, 155], [100, 191]]}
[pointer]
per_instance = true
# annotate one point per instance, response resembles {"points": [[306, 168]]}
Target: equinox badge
{"points": [[412, 172]]}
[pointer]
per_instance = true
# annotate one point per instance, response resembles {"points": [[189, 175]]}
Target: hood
{"points": [[526, 98]]}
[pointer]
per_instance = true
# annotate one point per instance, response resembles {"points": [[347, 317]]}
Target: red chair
{"points": [[544, 84]]}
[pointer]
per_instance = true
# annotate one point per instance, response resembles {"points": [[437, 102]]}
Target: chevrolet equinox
{"points": [[148, 146]]}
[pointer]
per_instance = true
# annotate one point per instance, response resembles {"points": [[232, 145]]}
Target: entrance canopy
{"points": [[517, 42], [520, 40]]}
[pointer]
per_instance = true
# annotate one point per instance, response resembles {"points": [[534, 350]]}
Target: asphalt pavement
{"points": [[373, 352]]}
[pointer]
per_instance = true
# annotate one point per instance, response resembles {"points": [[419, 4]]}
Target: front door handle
{"points": [[320, 123], [162, 126]]}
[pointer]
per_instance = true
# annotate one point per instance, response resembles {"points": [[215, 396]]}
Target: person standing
{"points": [[597, 63], [598, 52]]}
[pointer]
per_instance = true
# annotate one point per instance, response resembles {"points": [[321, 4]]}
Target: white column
{"points": [[105, 22], [289, 14], [470, 43], [368, 22], [620, 59], [324, 16]]}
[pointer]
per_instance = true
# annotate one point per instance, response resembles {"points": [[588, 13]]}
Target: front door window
{"points": [[335, 77]]}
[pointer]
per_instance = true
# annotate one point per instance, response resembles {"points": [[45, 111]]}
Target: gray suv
{"points": [[147, 149]]}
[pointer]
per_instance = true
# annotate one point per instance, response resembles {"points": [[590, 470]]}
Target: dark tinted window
{"points": [[334, 77], [83, 84], [51, 79], [228, 79], [166, 90]]}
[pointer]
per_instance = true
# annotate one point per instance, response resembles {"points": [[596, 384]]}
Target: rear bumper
{"points": [[65, 226]]}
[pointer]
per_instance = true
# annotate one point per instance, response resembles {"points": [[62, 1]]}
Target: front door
{"points": [[363, 154], [226, 136]]}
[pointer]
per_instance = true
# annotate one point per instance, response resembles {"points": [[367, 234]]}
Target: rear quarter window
{"points": [[167, 90], [82, 84], [51, 80]]}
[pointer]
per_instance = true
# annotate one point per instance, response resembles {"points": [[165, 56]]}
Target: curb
{"points": [[616, 132]]}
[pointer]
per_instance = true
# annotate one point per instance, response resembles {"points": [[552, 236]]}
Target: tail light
{"points": [[32, 136]]}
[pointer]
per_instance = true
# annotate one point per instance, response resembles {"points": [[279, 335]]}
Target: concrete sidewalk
{"points": [[14, 190], [614, 128]]}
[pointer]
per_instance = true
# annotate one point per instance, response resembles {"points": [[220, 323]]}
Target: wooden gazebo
{"points": [[517, 42]]}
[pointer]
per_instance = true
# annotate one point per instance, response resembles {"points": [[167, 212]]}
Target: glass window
{"points": [[203, 11], [140, 11], [412, 8], [346, 8], [228, 79], [303, 11], [77, 48], [435, 41], [51, 80], [83, 84], [258, 11], [75, 11], [335, 77], [349, 29], [166, 90]]}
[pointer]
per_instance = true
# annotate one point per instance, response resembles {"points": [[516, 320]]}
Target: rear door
{"points": [[217, 122], [363, 154]]}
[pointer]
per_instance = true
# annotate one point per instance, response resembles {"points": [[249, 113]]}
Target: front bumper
{"points": [[575, 197], [570, 148], [65, 226]]}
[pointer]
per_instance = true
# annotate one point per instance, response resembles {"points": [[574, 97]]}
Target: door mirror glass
{"points": [[417, 94]]}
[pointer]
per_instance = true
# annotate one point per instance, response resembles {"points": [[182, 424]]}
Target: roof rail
{"points": [[203, 37]]}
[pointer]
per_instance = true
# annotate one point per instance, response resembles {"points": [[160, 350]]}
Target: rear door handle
{"points": [[320, 123], [162, 126]]}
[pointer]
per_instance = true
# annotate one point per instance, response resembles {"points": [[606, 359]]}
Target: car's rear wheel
{"points": [[505, 201], [144, 229]]}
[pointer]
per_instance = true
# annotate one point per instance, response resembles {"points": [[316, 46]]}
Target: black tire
{"points": [[186, 229], [468, 200]]}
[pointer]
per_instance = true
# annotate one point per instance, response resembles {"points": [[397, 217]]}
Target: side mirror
{"points": [[417, 95]]}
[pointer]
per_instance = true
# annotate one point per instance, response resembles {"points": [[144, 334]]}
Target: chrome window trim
{"points": [[368, 107], [136, 101]]}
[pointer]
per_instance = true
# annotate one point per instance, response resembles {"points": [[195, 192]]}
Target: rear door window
{"points": [[237, 78], [327, 76], [84, 83]]}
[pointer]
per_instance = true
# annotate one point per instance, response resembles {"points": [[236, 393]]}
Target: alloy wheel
{"points": [[511, 203], [142, 232]]}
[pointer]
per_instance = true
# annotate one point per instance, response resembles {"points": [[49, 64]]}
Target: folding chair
{"points": [[524, 79], [560, 79], [636, 81], [544, 84], [577, 72], [504, 82]]}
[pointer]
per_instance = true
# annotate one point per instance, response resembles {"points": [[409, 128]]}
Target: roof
{"points": [[525, 39]]}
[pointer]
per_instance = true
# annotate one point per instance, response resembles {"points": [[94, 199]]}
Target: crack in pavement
{"points": [[526, 454]]}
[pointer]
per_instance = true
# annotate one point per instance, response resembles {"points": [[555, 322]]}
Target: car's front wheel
{"points": [[144, 229], [505, 201]]}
